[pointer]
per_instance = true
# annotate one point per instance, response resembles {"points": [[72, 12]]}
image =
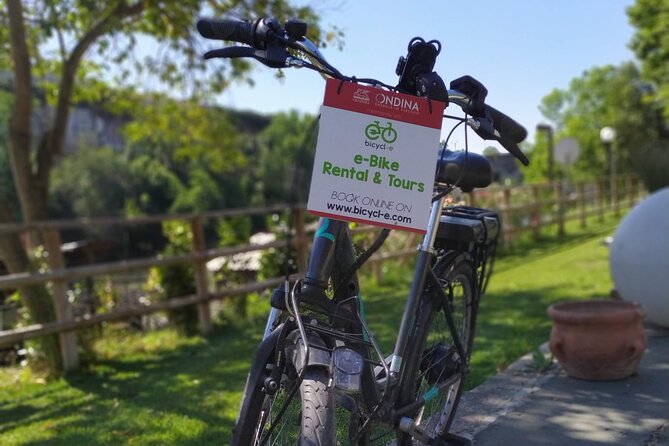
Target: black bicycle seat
{"points": [[467, 170]]}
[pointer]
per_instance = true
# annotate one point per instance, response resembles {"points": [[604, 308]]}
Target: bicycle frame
{"points": [[331, 256]]}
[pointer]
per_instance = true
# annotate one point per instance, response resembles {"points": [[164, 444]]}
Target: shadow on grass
{"points": [[140, 400]]}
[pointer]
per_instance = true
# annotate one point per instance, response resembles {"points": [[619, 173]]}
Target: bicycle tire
{"points": [[435, 361], [308, 420]]}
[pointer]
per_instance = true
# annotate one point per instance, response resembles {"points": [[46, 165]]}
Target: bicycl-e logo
{"points": [[376, 131]]}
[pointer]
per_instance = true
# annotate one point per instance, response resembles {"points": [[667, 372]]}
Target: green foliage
{"points": [[201, 194], [182, 134], [178, 280], [652, 164], [285, 158], [170, 168], [276, 262], [541, 362], [234, 230], [91, 182], [537, 171], [491, 151], [169, 25], [154, 186], [606, 96], [650, 43]]}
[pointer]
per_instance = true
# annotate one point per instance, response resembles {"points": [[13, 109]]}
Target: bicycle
{"points": [[374, 131], [316, 341]]}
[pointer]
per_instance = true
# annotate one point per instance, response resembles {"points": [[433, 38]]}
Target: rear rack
{"points": [[472, 230]]}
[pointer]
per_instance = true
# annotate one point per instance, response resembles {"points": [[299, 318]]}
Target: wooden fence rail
{"points": [[522, 209]]}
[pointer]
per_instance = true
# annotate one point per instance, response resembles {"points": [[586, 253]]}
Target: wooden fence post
{"points": [[536, 212], [600, 199], [300, 243], [581, 204], [506, 212], [68, 339], [559, 199], [615, 198], [629, 190], [200, 267]]}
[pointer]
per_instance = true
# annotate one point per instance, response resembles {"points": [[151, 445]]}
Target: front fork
{"points": [[423, 264]]}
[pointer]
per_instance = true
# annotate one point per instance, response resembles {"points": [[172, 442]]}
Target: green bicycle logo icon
{"points": [[375, 131]]}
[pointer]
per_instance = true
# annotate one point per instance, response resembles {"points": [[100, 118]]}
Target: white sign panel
{"points": [[376, 157]]}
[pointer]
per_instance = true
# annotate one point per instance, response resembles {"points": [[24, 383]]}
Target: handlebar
{"points": [[226, 29], [270, 43]]}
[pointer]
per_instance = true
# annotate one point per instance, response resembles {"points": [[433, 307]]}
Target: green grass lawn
{"points": [[160, 388]]}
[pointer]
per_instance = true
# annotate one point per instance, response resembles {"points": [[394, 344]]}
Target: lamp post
{"points": [[608, 137], [549, 133]]}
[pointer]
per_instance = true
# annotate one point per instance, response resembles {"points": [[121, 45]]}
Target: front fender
{"points": [[319, 353]]}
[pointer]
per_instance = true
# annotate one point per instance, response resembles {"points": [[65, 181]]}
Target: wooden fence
{"points": [[522, 208]]}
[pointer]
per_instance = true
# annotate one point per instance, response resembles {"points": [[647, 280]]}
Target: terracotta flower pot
{"points": [[597, 339]]}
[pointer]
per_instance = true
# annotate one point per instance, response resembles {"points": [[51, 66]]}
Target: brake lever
{"points": [[231, 52], [514, 150], [273, 57], [483, 126]]}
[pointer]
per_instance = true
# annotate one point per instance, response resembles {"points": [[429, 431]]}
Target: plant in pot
{"points": [[597, 339]]}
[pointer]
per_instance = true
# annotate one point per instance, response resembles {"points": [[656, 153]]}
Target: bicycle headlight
{"points": [[347, 367]]}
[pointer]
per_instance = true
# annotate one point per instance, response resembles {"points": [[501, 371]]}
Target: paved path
{"points": [[523, 407]]}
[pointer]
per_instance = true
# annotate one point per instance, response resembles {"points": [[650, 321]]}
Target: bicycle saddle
{"points": [[466, 170]]}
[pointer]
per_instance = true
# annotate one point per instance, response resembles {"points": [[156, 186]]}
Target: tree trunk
{"points": [[36, 299], [32, 195]]}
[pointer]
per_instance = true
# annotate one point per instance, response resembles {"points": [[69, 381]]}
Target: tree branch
{"points": [[59, 35], [56, 138]]}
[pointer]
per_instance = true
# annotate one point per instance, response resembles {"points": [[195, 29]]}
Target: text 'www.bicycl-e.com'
{"points": [[369, 207]]}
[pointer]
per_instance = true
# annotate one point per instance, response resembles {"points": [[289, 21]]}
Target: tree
{"points": [[650, 43], [111, 28], [491, 151], [286, 156], [612, 96]]}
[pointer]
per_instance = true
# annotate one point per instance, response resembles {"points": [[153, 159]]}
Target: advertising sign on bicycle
{"points": [[375, 157]]}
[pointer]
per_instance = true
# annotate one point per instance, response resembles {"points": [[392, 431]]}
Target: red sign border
{"points": [[383, 103]]}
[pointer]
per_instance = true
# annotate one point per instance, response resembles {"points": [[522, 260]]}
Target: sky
{"points": [[520, 50]]}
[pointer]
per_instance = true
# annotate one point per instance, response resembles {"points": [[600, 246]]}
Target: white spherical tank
{"points": [[639, 256]]}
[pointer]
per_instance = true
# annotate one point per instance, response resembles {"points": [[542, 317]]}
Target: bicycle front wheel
{"points": [[308, 419], [438, 371]]}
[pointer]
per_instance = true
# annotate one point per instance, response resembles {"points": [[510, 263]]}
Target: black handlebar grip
{"points": [[506, 126], [226, 29]]}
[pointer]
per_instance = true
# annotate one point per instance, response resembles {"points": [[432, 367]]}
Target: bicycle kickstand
{"points": [[446, 439]]}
